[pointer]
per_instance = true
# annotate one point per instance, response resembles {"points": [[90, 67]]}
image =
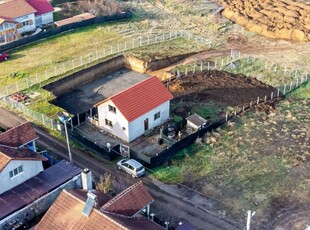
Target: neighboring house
{"points": [[8, 31], [76, 18], [82, 209], [17, 166], [21, 12], [44, 14], [18, 158], [21, 16], [28, 200], [130, 113]]}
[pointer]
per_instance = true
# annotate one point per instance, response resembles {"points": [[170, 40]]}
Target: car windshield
{"points": [[139, 169]]}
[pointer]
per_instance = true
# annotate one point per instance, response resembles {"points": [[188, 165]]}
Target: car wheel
{"points": [[6, 58], [133, 176]]}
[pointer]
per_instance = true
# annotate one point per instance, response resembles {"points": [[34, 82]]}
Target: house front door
{"points": [[146, 124]]}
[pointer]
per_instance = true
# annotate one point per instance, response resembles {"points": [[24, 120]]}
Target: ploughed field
{"points": [[210, 93], [282, 19]]}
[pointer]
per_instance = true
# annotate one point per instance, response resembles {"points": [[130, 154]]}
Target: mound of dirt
{"points": [[283, 19]]}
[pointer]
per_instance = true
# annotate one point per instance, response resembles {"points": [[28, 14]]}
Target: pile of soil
{"points": [[217, 87], [283, 19]]}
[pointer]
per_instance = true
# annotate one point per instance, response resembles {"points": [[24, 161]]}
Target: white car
{"points": [[132, 167]]}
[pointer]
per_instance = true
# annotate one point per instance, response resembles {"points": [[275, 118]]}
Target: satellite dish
{"points": [[108, 145]]}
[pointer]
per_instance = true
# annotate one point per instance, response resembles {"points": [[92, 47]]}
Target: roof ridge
{"points": [[120, 195], [138, 83], [96, 210]]}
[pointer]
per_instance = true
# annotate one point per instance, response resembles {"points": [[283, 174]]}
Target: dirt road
{"points": [[171, 202]]}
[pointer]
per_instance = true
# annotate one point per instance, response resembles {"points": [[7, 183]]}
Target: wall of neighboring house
{"points": [[137, 126], [29, 170], [119, 126], [26, 23], [39, 206], [44, 19], [7, 32]]}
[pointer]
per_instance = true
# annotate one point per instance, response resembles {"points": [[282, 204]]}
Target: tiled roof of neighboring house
{"points": [[15, 8], [6, 19], [7, 154], [27, 192], [66, 213], [129, 202], [41, 6], [19, 135], [141, 98], [76, 18]]}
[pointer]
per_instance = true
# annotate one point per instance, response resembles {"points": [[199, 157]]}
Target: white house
{"points": [[8, 30], [17, 166], [23, 16], [130, 113], [21, 12], [18, 158], [44, 14]]}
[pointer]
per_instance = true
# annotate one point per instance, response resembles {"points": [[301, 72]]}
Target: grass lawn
{"points": [[254, 160], [43, 55]]}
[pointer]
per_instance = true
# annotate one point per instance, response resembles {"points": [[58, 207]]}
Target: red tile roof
{"points": [[66, 213], [42, 6], [129, 202], [7, 154], [141, 98], [6, 19], [19, 135], [76, 18], [15, 8]]}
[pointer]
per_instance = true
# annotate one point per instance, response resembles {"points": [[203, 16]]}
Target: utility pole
{"points": [[64, 118]]}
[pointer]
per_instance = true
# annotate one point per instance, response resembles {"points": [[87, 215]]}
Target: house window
{"points": [[16, 171], [108, 122], [25, 23], [156, 116], [112, 109]]}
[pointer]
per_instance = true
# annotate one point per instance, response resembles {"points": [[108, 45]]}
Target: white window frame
{"points": [[17, 171]]}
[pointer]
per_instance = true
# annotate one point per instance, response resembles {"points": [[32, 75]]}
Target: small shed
{"points": [[195, 121]]}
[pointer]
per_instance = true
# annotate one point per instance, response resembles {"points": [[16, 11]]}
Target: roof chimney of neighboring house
{"points": [[87, 181], [90, 203]]}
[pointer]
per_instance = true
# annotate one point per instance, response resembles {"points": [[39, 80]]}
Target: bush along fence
{"points": [[83, 62]]}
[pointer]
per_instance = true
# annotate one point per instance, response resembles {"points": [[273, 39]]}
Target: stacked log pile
{"points": [[282, 19]]}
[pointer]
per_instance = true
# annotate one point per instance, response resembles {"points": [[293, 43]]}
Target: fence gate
{"points": [[124, 150]]}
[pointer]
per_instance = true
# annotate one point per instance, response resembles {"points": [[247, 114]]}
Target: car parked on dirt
{"points": [[4, 56], [132, 167]]}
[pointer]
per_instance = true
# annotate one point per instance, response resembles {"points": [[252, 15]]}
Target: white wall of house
{"points": [[30, 169], [137, 128], [7, 31], [130, 131], [28, 22], [44, 19], [119, 122]]}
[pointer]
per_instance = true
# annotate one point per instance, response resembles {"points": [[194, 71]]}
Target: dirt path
{"points": [[171, 202], [250, 49]]}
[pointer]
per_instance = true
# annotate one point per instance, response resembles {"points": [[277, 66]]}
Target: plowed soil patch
{"points": [[218, 88]]}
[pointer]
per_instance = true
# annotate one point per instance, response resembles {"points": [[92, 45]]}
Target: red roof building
{"points": [[67, 212], [135, 110], [41, 6], [18, 136]]}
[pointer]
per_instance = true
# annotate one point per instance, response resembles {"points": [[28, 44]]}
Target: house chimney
{"points": [[87, 182], [90, 203]]}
